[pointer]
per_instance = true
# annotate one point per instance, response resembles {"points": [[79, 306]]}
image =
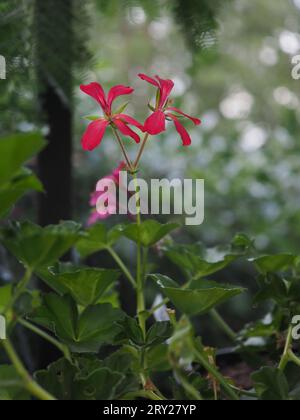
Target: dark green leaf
{"points": [[199, 298], [196, 263], [97, 238], [86, 285], [130, 330], [149, 232], [16, 150], [11, 387], [159, 333], [275, 263], [16, 188], [84, 332], [35, 246], [271, 384]]}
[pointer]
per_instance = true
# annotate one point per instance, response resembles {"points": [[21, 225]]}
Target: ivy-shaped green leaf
{"points": [[199, 298], [37, 247], [86, 285]]}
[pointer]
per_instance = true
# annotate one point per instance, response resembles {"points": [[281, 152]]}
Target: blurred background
{"points": [[231, 61]]}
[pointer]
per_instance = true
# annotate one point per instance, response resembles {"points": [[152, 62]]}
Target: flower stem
{"points": [[216, 374], [139, 279], [141, 151], [223, 325], [293, 358], [129, 164], [123, 267], [29, 384], [19, 290], [64, 349], [286, 354]]}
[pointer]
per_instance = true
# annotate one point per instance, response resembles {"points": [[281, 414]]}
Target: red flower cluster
{"points": [[96, 130], [154, 125]]}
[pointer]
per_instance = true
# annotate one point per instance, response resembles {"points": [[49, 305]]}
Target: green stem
{"points": [[244, 392], [123, 267], [141, 151], [286, 356], [139, 279], [293, 358], [216, 374], [64, 349], [189, 388], [19, 290], [27, 380], [119, 140], [223, 325]]}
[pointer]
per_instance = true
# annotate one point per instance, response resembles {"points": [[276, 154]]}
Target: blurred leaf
{"points": [[199, 298], [271, 384], [35, 246], [97, 238], [275, 263], [15, 150], [149, 232], [11, 387], [196, 262], [17, 187], [86, 285], [159, 333]]}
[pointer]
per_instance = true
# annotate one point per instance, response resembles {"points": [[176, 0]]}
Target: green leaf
{"points": [[199, 298], [92, 117], [84, 332], [15, 150], [58, 379], [86, 382], [122, 108], [159, 333], [11, 387], [149, 232], [16, 188], [130, 330], [100, 385], [97, 325], [157, 358], [35, 246], [97, 238], [86, 285], [271, 384], [275, 263], [197, 263]]}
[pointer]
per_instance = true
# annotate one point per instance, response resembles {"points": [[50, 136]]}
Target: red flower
{"points": [[156, 123], [96, 130]]}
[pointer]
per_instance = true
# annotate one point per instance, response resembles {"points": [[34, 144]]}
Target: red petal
{"points": [[186, 139], [95, 90], [117, 91], [149, 80], [196, 121], [156, 123], [94, 134], [131, 121], [126, 131], [166, 87]]}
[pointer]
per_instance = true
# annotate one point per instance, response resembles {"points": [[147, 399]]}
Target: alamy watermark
{"points": [[296, 328], [2, 67], [2, 328], [159, 197], [296, 68]]}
